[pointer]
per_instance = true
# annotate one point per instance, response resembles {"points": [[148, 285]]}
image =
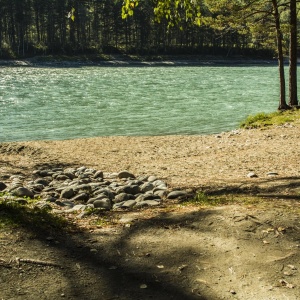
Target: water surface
{"points": [[64, 103]]}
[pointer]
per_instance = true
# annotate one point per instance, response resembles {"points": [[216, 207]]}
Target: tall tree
{"points": [[258, 17], [293, 54]]}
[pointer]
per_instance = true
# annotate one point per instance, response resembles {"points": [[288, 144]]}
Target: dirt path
{"points": [[240, 251], [231, 252]]}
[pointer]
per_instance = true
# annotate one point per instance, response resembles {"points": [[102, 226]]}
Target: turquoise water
{"points": [[64, 103]]}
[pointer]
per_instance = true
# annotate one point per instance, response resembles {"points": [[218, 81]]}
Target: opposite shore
{"points": [[123, 61]]}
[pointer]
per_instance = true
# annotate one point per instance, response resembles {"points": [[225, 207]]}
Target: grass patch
{"points": [[262, 120], [13, 214], [203, 200]]}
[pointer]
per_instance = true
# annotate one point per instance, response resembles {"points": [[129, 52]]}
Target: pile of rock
{"points": [[76, 189]]}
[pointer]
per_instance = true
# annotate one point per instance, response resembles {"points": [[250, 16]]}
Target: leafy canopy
{"points": [[175, 12]]}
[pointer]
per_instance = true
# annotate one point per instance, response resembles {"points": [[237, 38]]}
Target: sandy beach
{"points": [[182, 161]]}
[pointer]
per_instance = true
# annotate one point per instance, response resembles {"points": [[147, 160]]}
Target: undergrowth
{"points": [[277, 118], [204, 200], [14, 214]]}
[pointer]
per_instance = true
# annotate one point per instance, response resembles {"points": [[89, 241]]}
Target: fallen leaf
{"points": [[143, 286], [160, 266]]}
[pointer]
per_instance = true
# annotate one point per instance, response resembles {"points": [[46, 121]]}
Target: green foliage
{"points": [[14, 214], [128, 8], [71, 14], [173, 12], [202, 199], [261, 120]]}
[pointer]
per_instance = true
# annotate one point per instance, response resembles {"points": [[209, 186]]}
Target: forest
{"points": [[69, 27]]}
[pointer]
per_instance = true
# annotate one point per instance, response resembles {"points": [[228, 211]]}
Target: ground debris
{"points": [[286, 284], [36, 262], [5, 264]]}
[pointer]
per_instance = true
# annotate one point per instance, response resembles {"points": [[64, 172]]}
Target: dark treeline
{"points": [[42, 27]]}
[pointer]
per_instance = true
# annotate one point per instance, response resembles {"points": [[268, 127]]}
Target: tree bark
{"points": [[282, 102], [293, 55]]}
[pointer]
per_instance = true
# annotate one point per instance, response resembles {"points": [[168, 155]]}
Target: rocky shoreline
{"points": [[122, 61], [81, 189]]}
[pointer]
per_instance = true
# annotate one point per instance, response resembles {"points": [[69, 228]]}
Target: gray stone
{"points": [[81, 169], [160, 193], [104, 203], [151, 202], [43, 205], [42, 181], [158, 183], [121, 197], [70, 175], [272, 174], [134, 189], [144, 197], [147, 186], [99, 174], [125, 174], [61, 177], [141, 204], [128, 189], [22, 192], [2, 186], [176, 194], [81, 197], [91, 201], [50, 199], [37, 187], [79, 207], [67, 193], [129, 204], [152, 178], [83, 187], [118, 205], [252, 175], [101, 196], [67, 203]]}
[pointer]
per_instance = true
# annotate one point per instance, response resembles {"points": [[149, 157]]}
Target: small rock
{"points": [[81, 197], [129, 204], [99, 174], [252, 175], [125, 174], [146, 187], [2, 186], [121, 197], [104, 203], [23, 192], [176, 194], [272, 174], [152, 178], [67, 193], [79, 207]]}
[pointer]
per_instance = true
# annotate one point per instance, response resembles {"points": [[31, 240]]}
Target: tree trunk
{"points": [[293, 55], [282, 102]]}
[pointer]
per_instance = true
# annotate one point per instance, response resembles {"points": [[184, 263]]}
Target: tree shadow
{"points": [[274, 185], [109, 275]]}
